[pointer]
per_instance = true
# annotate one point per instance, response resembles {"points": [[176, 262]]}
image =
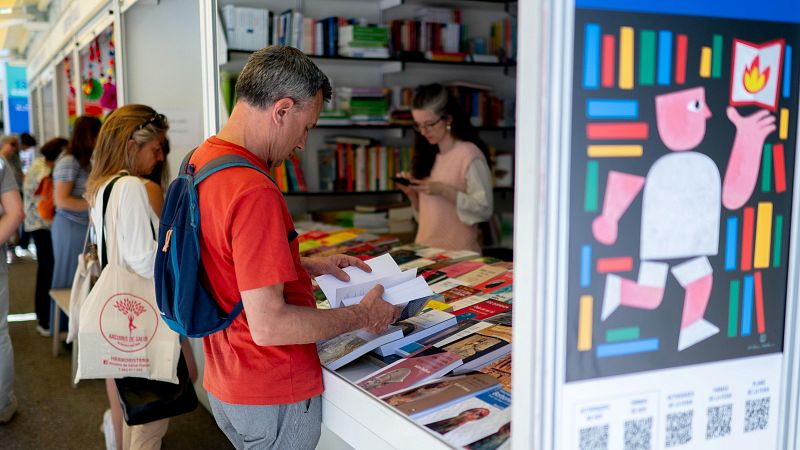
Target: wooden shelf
{"points": [[404, 127]]}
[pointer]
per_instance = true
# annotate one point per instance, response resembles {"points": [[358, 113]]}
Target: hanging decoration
{"points": [[107, 78]]}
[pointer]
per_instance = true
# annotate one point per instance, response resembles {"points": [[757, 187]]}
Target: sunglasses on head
{"points": [[156, 119]]}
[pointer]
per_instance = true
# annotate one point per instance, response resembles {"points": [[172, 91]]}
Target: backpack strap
{"points": [[185, 164], [225, 162]]}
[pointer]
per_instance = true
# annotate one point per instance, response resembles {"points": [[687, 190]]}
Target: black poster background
{"points": [[664, 322]]}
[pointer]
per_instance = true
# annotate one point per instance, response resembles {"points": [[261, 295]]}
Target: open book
{"points": [[400, 287]]}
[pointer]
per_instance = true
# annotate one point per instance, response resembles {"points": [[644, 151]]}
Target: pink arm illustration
{"points": [[621, 190], [742, 172]]}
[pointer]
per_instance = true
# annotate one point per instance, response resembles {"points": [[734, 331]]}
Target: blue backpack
{"points": [[185, 305]]}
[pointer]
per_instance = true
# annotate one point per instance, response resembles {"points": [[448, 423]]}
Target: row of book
{"points": [[289, 175], [447, 362], [352, 164], [433, 33]]}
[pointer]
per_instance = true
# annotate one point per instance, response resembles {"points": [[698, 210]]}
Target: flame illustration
{"points": [[754, 79]]}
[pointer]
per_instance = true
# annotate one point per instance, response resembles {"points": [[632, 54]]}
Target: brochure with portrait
{"points": [[438, 394], [400, 287], [471, 419]]}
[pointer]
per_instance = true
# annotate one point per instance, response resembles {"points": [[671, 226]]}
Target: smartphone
{"points": [[403, 181]]}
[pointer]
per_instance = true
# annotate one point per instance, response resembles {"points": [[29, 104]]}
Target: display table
{"points": [[365, 422]]}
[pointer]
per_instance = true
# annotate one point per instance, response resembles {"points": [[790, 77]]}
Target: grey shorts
{"points": [[285, 427]]}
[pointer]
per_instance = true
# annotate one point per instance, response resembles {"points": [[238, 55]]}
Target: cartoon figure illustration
{"points": [[681, 208]]}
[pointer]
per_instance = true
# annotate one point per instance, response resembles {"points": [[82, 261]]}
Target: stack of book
{"points": [[365, 105], [358, 41], [358, 164], [503, 38], [394, 218]]}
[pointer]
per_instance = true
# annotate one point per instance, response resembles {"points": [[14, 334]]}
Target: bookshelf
{"points": [[400, 69]]}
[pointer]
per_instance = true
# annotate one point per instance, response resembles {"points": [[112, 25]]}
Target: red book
{"points": [[311, 236], [340, 168], [351, 160], [458, 269], [497, 283], [418, 368], [484, 309]]}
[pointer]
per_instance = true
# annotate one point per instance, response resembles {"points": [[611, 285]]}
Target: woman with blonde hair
{"points": [[128, 149]]}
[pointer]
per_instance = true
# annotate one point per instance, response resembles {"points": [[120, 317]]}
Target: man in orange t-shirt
{"points": [[262, 373]]}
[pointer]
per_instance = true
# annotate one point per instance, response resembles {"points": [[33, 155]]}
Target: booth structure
{"points": [[655, 222]]}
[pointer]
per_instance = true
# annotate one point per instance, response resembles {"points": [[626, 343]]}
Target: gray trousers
{"points": [[295, 426], [6, 352]]}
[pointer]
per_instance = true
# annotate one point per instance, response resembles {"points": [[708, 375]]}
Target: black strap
{"points": [[185, 164], [106, 196]]}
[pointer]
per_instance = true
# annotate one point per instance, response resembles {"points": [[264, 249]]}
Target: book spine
{"points": [[350, 169]]}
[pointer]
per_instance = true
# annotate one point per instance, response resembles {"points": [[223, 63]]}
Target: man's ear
{"points": [[281, 108]]}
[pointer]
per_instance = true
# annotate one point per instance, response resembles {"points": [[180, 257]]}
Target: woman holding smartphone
{"points": [[450, 184]]}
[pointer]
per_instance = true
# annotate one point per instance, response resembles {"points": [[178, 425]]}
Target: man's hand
{"points": [[321, 265], [375, 313]]}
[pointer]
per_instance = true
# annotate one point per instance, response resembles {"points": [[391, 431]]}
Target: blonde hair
{"points": [[111, 153]]}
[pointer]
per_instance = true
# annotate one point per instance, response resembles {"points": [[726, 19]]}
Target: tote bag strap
{"points": [[106, 196]]}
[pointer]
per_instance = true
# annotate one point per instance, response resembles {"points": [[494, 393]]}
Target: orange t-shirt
{"points": [[247, 242]]}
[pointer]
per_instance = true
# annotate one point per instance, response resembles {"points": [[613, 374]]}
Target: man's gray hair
{"points": [[278, 72]]}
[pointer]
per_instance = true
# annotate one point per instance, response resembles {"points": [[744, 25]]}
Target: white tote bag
{"points": [[86, 275], [121, 333]]}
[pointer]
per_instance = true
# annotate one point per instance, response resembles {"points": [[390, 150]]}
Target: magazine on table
{"points": [[340, 350], [418, 327], [418, 368], [471, 419]]}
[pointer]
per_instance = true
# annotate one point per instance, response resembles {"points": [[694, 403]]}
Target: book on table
{"points": [[416, 328], [438, 394], [471, 419], [345, 348], [428, 364], [477, 343], [500, 369]]}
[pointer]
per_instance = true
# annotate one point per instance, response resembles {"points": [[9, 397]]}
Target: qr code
{"points": [[594, 438], [679, 428], [638, 434], [719, 421], [756, 414]]}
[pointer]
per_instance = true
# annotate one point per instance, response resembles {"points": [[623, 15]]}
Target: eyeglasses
{"points": [[427, 126], [158, 119]]}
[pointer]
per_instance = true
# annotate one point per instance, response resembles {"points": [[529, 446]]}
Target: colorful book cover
{"points": [[418, 368], [441, 306], [500, 369], [498, 440], [497, 283], [457, 293], [464, 267], [484, 309], [482, 274], [461, 329], [479, 348], [340, 350], [466, 302], [441, 393], [471, 419], [418, 327]]}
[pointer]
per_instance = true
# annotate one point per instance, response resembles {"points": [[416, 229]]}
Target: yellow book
{"points": [[441, 306]]}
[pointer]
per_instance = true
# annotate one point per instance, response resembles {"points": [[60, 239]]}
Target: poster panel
{"points": [[18, 108], [682, 166]]}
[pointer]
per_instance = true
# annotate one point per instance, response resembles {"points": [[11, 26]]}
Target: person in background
{"points": [[72, 210], [262, 372], [9, 149], [130, 145], [450, 181], [11, 216], [27, 151], [39, 179]]}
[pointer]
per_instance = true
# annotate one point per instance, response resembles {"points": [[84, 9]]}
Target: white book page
{"points": [[382, 266]]}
